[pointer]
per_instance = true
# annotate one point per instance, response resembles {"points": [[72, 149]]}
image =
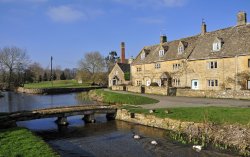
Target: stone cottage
{"points": [[120, 74], [208, 61]]}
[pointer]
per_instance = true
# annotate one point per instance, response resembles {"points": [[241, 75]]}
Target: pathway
{"points": [[172, 101]]}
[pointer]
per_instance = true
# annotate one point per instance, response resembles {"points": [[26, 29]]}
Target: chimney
{"points": [[163, 39], [241, 18], [203, 28], [122, 52]]}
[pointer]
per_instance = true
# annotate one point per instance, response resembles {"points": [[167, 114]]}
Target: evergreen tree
{"points": [[62, 76]]}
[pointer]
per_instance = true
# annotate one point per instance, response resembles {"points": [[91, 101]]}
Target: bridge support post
{"points": [[89, 118], [62, 121], [110, 116]]}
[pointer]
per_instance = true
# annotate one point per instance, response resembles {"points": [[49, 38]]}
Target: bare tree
{"points": [[93, 63], [13, 59]]}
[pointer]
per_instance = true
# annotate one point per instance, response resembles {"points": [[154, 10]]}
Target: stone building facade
{"points": [[117, 75], [208, 61]]}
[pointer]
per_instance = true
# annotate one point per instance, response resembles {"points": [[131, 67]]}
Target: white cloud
{"points": [[153, 3], [65, 14]]}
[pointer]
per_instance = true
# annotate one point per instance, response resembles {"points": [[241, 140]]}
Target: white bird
{"points": [[136, 137], [151, 111], [197, 148], [154, 143]]}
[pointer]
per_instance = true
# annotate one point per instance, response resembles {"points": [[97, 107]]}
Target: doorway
{"points": [[195, 84]]}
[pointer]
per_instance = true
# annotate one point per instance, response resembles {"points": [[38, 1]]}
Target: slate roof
{"points": [[235, 41], [125, 67]]}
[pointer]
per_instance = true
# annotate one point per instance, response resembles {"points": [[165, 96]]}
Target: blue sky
{"points": [[66, 29]]}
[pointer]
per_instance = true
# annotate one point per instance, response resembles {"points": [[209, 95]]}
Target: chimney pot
{"points": [[163, 39], [203, 28], [241, 18], [122, 52]]}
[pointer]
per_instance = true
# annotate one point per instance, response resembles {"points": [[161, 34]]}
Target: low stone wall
{"points": [[135, 89], [54, 90], [156, 90], [241, 94], [232, 136], [117, 88]]}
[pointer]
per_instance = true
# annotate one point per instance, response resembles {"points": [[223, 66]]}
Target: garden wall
{"points": [[135, 89], [156, 90], [239, 94]]}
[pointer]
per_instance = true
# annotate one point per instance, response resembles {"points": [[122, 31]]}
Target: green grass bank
{"points": [[19, 142], [56, 84], [111, 97], [216, 115]]}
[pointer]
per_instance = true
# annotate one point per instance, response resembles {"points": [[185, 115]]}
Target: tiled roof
{"points": [[125, 67], [235, 41]]}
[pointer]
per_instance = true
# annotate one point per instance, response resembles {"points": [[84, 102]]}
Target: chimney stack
{"points": [[203, 28], [163, 39], [241, 18], [122, 52]]}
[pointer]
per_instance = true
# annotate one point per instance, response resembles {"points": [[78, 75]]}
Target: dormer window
{"points": [[217, 44], [143, 55], [161, 53], [181, 47]]}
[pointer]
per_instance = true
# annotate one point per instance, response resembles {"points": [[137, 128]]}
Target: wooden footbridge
{"points": [[61, 113]]}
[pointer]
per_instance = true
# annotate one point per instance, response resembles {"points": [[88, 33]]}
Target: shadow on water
{"points": [[110, 139]]}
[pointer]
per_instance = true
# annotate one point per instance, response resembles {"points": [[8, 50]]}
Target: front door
{"points": [[195, 84], [114, 82], [148, 82], [248, 84]]}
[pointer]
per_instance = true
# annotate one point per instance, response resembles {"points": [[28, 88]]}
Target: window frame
{"points": [[212, 83], [161, 53], [143, 55], [180, 49], [212, 64], [157, 65]]}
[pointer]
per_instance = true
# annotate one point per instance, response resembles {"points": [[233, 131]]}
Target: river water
{"points": [[101, 139]]}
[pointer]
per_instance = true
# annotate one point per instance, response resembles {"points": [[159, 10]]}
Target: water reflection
{"points": [[110, 139], [12, 101]]}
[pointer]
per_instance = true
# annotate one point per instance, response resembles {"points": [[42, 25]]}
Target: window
{"points": [[212, 83], [161, 53], [176, 66], [138, 69], [216, 46], [157, 66], [116, 72], [249, 63], [212, 65], [176, 82], [143, 55], [138, 83], [180, 49]]}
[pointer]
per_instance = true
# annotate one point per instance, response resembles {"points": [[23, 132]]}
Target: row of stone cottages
{"points": [[209, 61]]}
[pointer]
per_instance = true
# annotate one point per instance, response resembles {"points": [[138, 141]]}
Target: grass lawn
{"points": [[57, 84], [111, 97], [19, 142], [217, 115]]}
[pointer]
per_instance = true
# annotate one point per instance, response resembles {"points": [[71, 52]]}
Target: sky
{"points": [[67, 29]]}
